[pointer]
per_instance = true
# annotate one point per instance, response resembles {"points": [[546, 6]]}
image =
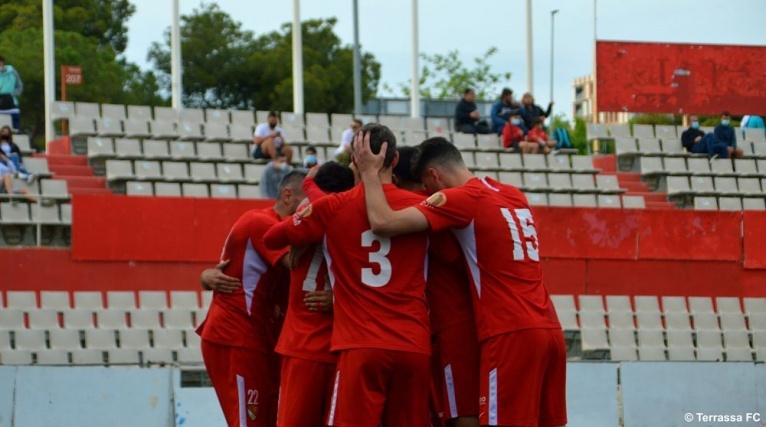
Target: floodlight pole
{"points": [[415, 85], [175, 59], [49, 66], [553, 21], [530, 66], [357, 63]]}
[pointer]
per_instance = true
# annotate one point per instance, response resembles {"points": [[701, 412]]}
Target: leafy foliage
{"points": [[228, 67], [578, 135], [445, 76]]}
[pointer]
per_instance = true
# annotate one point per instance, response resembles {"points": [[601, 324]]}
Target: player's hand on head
{"points": [[366, 160], [319, 300]]}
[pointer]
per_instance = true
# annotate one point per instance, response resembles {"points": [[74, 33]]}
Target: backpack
{"points": [[562, 138]]}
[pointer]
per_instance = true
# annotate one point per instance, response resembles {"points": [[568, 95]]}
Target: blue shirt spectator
{"points": [[725, 133], [502, 109]]}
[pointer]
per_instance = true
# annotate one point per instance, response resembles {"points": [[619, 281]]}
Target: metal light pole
{"points": [[415, 88], [553, 21], [176, 86], [357, 64], [49, 68], [297, 59], [530, 67]]}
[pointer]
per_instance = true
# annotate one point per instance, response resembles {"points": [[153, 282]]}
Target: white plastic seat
{"points": [[145, 319], [757, 322], [618, 303], [189, 356], [710, 339], [681, 354], [111, 319], [184, 299], [216, 116], [649, 320], [710, 354], [594, 303], [207, 298], [192, 339], [167, 189], [594, 339], [160, 356], [622, 338], [117, 170], [674, 305], [621, 320], [123, 300], [147, 170], [733, 322], [592, 320], [678, 338], [651, 354], [168, 338], [646, 304], [65, 339], [43, 319], [5, 340], [568, 320], [755, 305], [564, 302], [135, 188], [677, 321], [87, 356], [194, 190], [229, 172], [739, 354], [11, 318], [153, 299], [584, 200], [178, 318], [88, 300], [134, 338], [123, 356], [700, 305], [100, 339], [650, 338], [52, 358], [236, 152], [706, 322], [16, 357], [223, 191], [31, 340], [24, 300], [624, 354], [728, 305], [200, 315], [78, 319], [248, 191]]}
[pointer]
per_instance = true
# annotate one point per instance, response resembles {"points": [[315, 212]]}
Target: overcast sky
{"points": [[473, 26]]}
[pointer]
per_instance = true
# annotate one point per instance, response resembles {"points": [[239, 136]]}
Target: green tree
{"points": [[228, 67], [578, 134], [445, 76]]}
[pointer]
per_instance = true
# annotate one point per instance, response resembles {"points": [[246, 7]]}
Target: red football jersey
{"points": [[305, 333], [378, 282], [245, 317], [448, 289], [495, 228]]}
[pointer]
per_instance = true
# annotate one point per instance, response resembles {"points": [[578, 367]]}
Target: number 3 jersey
{"points": [[378, 282], [496, 231]]}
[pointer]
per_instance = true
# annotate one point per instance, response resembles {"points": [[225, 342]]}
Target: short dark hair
{"points": [[537, 121], [333, 177], [506, 92], [272, 114], [378, 135], [435, 150], [357, 121], [726, 113], [403, 169], [467, 90], [311, 150], [294, 180]]}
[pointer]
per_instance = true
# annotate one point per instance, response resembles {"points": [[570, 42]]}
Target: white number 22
{"points": [[527, 230], [381, 279]]}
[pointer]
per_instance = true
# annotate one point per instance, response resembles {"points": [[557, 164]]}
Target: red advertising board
{"points": [[680, 78]]}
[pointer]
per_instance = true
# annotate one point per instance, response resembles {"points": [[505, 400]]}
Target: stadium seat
{"points": [[202, 172], [217, 132], [755, 305], [229, 172], [728, 305], [200, 315], [584, 183], [207, 298], [618, 303], [223, 191], [43, 319], [706, 322], [167, 338], [584, 200], [674, 305], [152, 356], [124, 300], [189, 356], [563, 302], [665, 132], [88, 300], [78, 319], [677, 321], [167, 189], [593, 303], [709, 339], [100, 339], [594, 342], [621, 320], [757, 322], [317, 120], [135, 188], [178, 318], [11, 318], [147, 170], [681, 354], [592, 320], [32, 339], [192, 340], [236, 153], [123, 356], [242, 117], [107, 127], [248, 191], [153, 299], [156, 149], [111, 319], [700, 305], [113, 111], [16, 357], [651, 354], [24, 300], [649, 320], [733, 322], [62, 110], [65, 339], [182, 150], [128, 149], [623, 354], [597, 131], [650, 337], [184, 299], [560, 200], [136, 128], [194, 190], [134, 338], [241, 133], [643, 131], [646, 304], [5, 339], [622, 338], [100, 148], [87, 357], [52, 358], [175, 171], [145, 318]]}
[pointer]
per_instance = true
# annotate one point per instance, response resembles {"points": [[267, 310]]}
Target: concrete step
{"points": [[651, 196], [83, 181], [57, 159], [628, 177], [660, 205], [634, 187], [71, 170]]}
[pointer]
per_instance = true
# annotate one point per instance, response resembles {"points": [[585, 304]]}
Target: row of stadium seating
{"points": [[617, 131]]}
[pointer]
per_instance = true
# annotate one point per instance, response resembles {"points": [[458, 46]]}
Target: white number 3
{"points": [[369, 278], [527, 230]]}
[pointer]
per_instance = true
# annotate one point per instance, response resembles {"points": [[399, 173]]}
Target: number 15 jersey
{"points": [[495, 228], [378, 282]]}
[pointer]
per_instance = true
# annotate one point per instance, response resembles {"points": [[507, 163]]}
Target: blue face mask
{"points": [[695, 124], [725, 122], [310, 160], [516, 122]]}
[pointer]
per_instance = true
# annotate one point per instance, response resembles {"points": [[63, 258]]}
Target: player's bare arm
{"points": [[383, 220], [319, 300], [213, 279]]}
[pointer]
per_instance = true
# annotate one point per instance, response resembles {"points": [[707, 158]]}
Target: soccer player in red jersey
{"points": [[238, 334], [308, 366], [380, 326], [456, 355], [523, 355]]}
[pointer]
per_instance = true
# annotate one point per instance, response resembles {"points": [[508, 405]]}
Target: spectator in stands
{"points": [[6, 183], [696, 141], [275, 171], [12, 154], [501, 110], [514, 137], [311, 159], [10, 90], [343, 152], [725, 133], [538, 138], [269, 141], [530, 111], [467, 115]]}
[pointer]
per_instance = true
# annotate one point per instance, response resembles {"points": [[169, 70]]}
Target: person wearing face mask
{"points": [[514, 134], [696, 141], [10, 90], [269, 141], [724, 132], [10, 154]]}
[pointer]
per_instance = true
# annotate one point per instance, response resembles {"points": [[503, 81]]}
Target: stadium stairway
{"points": [[631, 182], [77, 173]]}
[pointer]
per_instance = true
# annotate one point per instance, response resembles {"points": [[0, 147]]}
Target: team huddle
{"points": [[412, 298]]}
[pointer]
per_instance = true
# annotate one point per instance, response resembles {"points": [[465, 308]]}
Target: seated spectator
{"points": [[10, 90], [501, 110], [726, 134], [513, 134], [12, 152], [467, 115], [530, 111], [6, 182], [269, 141], [272, 176], [538, 138], [311, 159], [696, 141], [343, 152]]}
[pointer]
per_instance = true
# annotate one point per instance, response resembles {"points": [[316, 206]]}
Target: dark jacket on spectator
{"points": [[688, 136], [726, 134], [530, 113], [462, 111]]}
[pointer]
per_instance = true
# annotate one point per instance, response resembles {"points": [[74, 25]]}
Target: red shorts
{"points": [[523, 379], [304, 392], [242, 382], [374, 385], [458, 366]]}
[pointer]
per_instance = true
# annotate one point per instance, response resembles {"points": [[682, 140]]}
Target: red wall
{"points": [[680, 78], [123, 242]]}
